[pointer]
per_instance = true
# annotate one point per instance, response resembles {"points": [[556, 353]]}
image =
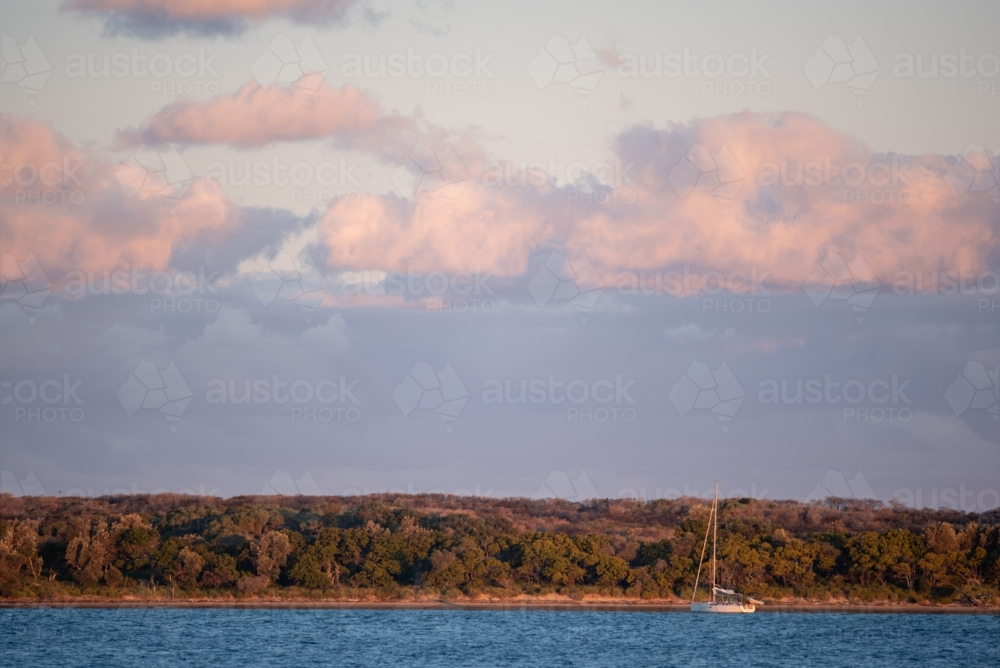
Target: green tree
{"points": [[135, 543], [90, 553], [552, 558], [18, 554], [742, 562], [220, 571], [317, 566], [188, 567], [269, 553], [793, 564]]}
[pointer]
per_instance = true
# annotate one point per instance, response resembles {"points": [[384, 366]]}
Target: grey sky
{"points": [[638, 437]]}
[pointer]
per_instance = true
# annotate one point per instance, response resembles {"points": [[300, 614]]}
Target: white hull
{"points": [[732, 608]]}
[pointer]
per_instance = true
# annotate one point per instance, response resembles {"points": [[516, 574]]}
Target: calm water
{"points": [[291, 638]]}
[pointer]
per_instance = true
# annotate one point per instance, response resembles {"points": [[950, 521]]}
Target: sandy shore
{"points": [[513, 605]]}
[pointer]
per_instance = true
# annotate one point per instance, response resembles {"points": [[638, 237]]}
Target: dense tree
{"points": [[18, 553], [90, 553], [189, 566], [219, 572], [793, 564], [270, 552], [393, 545]]}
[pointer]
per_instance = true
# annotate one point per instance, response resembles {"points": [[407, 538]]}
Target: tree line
{"points": [[397, 546]]}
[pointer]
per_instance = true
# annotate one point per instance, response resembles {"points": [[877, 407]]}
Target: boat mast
{"points": [[715, 530], [704, 546]]}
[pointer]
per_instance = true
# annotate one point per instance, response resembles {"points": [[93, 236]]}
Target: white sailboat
{"points": [[722, 600]]}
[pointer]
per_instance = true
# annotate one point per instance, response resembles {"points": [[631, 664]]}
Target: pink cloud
{"points": [[778, 224], [482, 230], [68, 209], [256, 115], [907, 221], [163, 17]]}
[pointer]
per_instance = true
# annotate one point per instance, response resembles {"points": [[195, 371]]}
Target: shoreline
{"points": [[511, 606]]}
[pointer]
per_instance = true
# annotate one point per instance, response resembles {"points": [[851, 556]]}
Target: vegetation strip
{"points": [[438, 551]]}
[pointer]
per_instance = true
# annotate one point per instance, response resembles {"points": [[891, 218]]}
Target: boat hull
{"points": [[723, 608]]}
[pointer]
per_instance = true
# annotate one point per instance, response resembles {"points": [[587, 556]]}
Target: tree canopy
{"points": [[396, 546]]}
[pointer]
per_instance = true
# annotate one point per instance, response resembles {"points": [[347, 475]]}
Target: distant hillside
{"points": [[396, 546]]}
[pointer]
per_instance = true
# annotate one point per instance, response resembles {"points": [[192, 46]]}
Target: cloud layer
{"points": [[771, 194], [256, 115], [73, 210], [777, 192], [158, 18]]}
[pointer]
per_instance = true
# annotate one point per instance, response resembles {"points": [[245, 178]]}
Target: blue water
{"points": [[403, 638]]}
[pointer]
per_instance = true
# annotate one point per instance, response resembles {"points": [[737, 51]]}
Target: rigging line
{"points": [[703, 548], [715, 537]]}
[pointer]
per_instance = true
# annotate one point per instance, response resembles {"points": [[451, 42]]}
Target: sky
{"points": [[567, 249]]}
